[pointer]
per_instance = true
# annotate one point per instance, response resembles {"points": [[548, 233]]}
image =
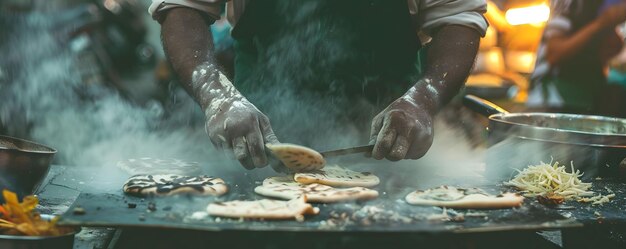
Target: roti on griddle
{"points": [[169, 184], [336, 176], [286, 188], [470, 198], [156, 166], [263, 209], [297, 158]]}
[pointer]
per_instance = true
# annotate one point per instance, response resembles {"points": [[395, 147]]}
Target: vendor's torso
{"points": [[365, 48]]}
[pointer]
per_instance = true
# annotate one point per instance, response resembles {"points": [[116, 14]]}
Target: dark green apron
{"points": [[347, 58]]}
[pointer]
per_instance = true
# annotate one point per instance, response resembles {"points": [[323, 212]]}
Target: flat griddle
{"points": [[111, 210], [388, 213]]}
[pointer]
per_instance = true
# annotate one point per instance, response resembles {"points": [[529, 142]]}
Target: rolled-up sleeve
{"points": [[434, 14], [211, 7]]}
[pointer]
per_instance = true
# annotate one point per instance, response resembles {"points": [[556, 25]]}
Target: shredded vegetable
{"points": [[20, 218], [551, 179], [598, 199]]}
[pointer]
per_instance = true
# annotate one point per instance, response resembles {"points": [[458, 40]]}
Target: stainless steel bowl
{"points": [[23, 165], [38, 242]]}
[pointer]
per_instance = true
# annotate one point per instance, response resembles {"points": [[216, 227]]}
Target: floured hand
{"points": [[404, 130], [232, 122]]}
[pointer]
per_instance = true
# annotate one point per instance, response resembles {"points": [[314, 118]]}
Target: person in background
{"points": [[578, 42], [340, 51], [617, 81]]}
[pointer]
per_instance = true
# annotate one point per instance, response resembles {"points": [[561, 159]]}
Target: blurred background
{"points": [[89, 75]]}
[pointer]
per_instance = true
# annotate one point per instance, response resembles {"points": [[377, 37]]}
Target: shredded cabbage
{"points": [[547, 179]]}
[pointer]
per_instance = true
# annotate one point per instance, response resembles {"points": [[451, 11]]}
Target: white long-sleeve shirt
{"points": [[429, 14]]}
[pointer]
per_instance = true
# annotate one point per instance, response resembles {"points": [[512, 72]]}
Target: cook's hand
{"points": [[613, 15], [404, 130], [232, 122], [238, 125]]}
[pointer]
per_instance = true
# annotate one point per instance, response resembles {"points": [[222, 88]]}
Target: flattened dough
{"points": [[169, 184], [297, 158], [263, 209], [473, 198], [286, 188], [336, 176], [155, 166]]}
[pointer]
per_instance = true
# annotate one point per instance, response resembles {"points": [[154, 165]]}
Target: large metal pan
{"points": [[594, 144]]}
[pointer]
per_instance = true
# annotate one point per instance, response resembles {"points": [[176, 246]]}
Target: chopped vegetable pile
{"points": [[546, 179], [20, 218]]}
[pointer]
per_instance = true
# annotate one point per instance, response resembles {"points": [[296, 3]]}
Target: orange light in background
{"points": [[521, 61], [533, 15]]}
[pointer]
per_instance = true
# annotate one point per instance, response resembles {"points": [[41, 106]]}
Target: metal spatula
{"points": [[348, 151]]}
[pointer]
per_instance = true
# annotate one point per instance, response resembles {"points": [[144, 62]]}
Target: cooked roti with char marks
{"points": [[297, 158], [336, 176], [286, 188], [263, 209], [470, 198], [170, 184]]}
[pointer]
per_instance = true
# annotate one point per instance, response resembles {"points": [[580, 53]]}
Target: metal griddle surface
{"points": [[391, 214], [108, 206], [111, 210]]}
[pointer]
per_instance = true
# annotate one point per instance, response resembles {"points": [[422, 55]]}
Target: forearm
{"points": [[561, 48], [450, 60], [232, 122], [188, 44]]}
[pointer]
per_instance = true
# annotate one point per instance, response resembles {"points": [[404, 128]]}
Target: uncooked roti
{"points": [[338, 177], [169, 184], [263, 209], [155, 166], [286, 188], [452, 197], [297, 158]]}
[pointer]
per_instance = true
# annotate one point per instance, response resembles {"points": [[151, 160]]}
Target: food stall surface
{"points": [[128, 221]]}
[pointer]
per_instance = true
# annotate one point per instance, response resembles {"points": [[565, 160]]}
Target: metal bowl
{"points": [[23, 165], [39, 242]]}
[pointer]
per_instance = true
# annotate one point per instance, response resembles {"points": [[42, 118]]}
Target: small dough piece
{"points": [[286, 188], [155, 166], [263, 209], [169, 184], [474, 198], [297, 158], [336, 176]]}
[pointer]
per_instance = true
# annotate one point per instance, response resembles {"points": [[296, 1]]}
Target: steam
{"points": [[48, 96], [301, 55], [298, 64], [45, 98], [452, 160]]}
